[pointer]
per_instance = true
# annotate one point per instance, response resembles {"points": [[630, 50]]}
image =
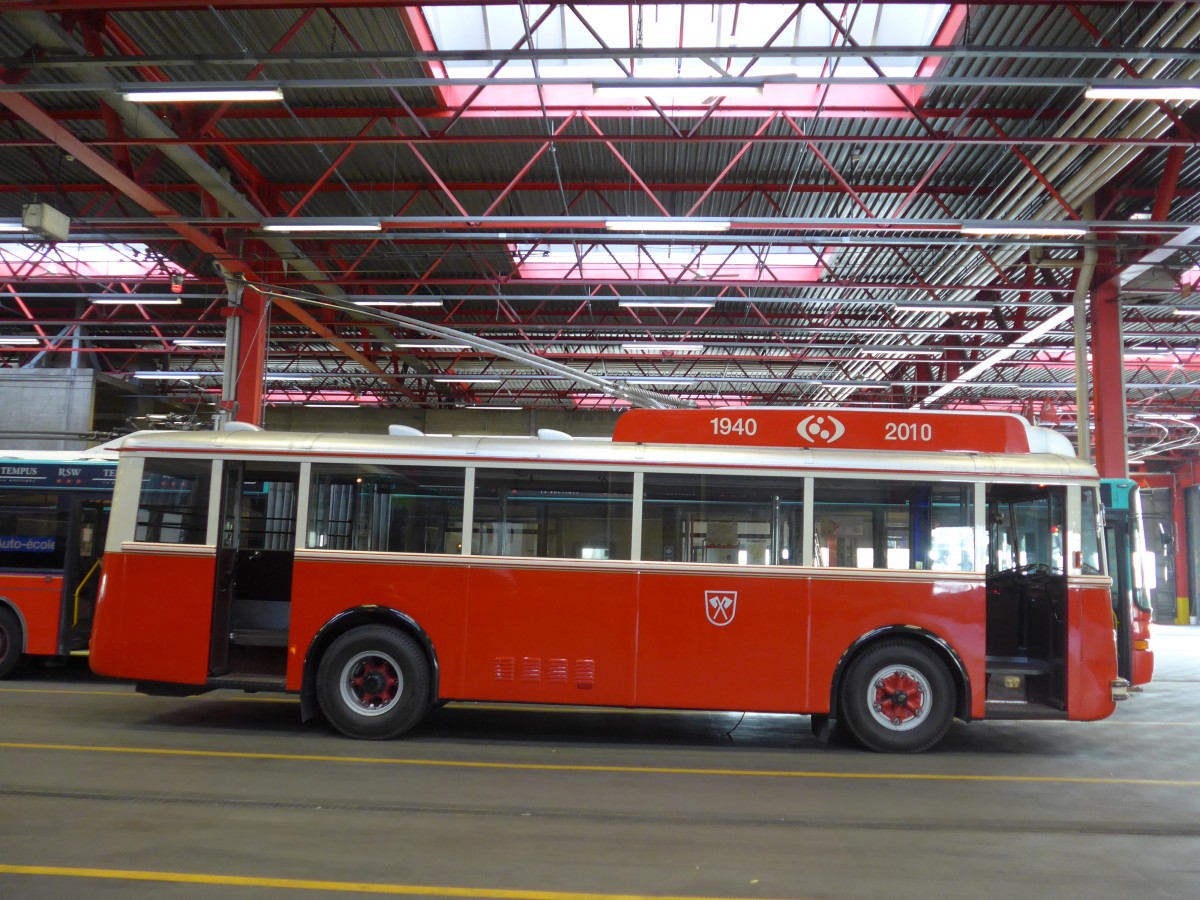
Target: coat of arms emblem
{"points": [[720, 606]]}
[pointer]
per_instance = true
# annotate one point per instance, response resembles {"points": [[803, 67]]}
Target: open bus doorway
{"points": [[1026, 598]]}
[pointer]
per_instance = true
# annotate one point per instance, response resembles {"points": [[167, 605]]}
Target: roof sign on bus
{"points": [[850, 429]]}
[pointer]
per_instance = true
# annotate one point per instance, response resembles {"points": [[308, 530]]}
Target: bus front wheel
{"points": [[897, 698], [373, 683], [10, 641]]}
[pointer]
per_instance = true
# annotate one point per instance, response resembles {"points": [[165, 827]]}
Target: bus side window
{"points": [[734, 519], [173, 505], [396, 509], [33, 531], [564, 514], [879, 524]]}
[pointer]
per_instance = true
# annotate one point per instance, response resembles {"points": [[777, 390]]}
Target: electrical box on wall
{"points": [[43, 219]]}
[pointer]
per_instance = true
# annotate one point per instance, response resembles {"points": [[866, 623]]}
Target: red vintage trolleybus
{"points": [[890, 570]]}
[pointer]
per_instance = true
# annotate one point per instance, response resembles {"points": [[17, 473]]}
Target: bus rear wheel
{"points": [[897, 698], [10, 641], [373, 683]]}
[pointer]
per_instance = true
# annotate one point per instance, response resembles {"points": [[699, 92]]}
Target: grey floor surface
{"points": [[108, 794]]}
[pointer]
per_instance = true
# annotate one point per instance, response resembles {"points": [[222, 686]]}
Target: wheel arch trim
{"points": [[12, 607], [957, 669]]}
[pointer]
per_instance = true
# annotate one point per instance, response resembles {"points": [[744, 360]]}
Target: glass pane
{"points": [[1090, 516], [397, 509], [173, 507], [876, 524], [33, 531], [1025, 528], [560, 514], [736, 519]]}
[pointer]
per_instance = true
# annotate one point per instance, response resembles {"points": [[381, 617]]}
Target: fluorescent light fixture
{"points": [[12, 226], [334, 405], [1142, 92], [944, 307], [1186, 311], [287, 376], [899, 351], [174, 376], [321, 225], [1171, 417], [658, 380], [1139, 217], [466, 379], [136, 299], [662, 347], [428, 345], [396, 302], [204, 95], [483, 406], [12, 340], [667, 304], [199, 342], [667, 224], [1023, 231]]}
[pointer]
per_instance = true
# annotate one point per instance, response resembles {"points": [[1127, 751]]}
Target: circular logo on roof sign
{"points": [[820, 429]]}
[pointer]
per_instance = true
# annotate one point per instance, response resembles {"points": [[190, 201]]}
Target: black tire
{"points": [[373, 683], [897, 697], [11, 640]]}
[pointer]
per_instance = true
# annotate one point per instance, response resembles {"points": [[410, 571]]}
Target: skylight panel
{"points": [[99, 261], [667, 26]]}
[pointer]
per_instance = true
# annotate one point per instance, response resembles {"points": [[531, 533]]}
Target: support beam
{"points": [[1108, 375]]}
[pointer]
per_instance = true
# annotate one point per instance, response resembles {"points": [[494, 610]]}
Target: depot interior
{"points": [[498, 218]]}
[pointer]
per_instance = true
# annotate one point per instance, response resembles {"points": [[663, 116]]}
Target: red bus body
{"points": [[609, 632]]}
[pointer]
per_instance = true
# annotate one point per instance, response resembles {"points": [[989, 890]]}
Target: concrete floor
{"points": [[108, 794]]}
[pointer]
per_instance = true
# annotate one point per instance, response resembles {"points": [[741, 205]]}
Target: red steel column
{"points": [[1108, 375]]}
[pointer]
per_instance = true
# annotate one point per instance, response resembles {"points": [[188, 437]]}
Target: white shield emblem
{"points": [[720, 606]]}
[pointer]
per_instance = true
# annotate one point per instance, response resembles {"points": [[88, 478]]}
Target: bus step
{"points": [[238, 681], [1017, 665], [259, 637], [1010, 709]]}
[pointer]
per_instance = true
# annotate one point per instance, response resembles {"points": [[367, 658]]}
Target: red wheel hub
{"points": [[899, 697], [375, 682]]}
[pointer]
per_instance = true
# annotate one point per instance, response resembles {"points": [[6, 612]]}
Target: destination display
{"points": [[81, 476]]}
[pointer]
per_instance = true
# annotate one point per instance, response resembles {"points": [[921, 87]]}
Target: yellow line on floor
{"points": [[302, 884], [625, 770]]}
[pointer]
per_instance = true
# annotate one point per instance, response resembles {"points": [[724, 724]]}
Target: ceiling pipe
{"points": [[1083, 286]]}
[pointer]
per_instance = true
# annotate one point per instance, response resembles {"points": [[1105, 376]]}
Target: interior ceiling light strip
{"points": [[204, 95], [662, 347], [1023, 231], [136, 299], [320, 226], [1142, 92], [667, 224]]}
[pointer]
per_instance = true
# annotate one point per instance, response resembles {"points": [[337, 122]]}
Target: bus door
{"points": [[1026, 598], [87, 525], [253, 585]]}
